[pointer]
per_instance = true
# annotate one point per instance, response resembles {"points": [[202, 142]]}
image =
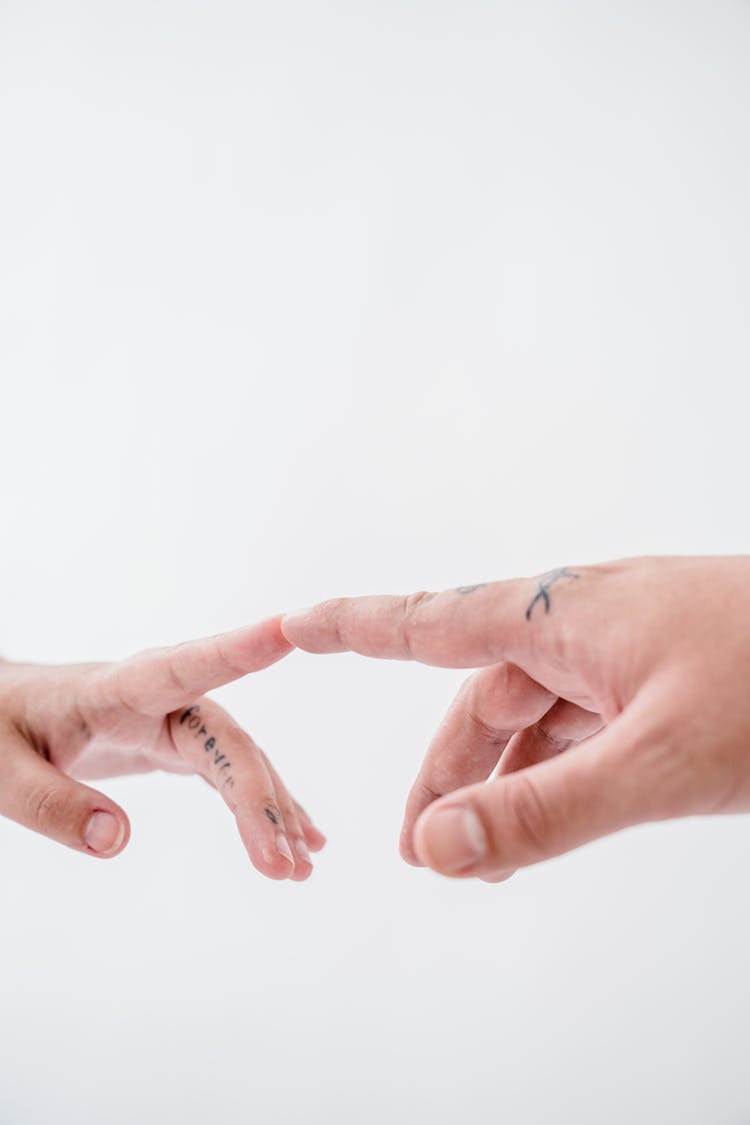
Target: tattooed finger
{"points": [[303, 835], [217, 748]]}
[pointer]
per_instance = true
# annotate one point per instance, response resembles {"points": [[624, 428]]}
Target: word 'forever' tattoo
{"points": [[191, 719], [544, 584]]}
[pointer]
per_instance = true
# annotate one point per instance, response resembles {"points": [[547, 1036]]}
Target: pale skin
{"points": [[61, 725], [605, 696]]}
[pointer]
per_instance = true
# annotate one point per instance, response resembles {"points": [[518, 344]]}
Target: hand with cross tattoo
{"points": [[605, 696]]}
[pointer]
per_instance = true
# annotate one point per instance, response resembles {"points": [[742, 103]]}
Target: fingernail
{"points": [[104, 832], [454, 839], [295, 615], [497, 877], [282, 846], [301, 849]]}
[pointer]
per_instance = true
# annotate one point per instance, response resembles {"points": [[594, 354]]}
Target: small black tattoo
{"points": [[544, 583], [470, 589], [271, 816], [192, 717], [192, 720]]}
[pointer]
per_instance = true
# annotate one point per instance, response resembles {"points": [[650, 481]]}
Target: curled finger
{"points": [[225, 755]]}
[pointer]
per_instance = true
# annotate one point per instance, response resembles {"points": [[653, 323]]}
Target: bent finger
{"points": [[226, 756], [539, 812], [303, 865], [314, 838], [563, 726], [490, 707]]}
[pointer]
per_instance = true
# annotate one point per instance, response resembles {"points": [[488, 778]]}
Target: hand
{"points": [[608, 695], [146, 713]]}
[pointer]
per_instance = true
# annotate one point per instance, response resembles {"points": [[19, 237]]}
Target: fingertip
{"points": [[420, 798], [266, 854], [303, 867], [301, 628], [275, 636], [261, 644], [314, 838], [497, 876], [451, 840], [291, 623], [407, 852], [274, 865], [106, 833], [316, 629]]}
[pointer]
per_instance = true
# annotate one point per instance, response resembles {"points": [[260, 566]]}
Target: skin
{"points": [[605, 696], [61, 725]]}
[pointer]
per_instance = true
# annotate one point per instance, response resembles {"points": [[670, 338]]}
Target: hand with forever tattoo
{"points": [[68, 722], [608, 695]]}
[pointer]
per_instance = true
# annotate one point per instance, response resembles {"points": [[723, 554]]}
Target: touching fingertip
{"points": [[290, 620]]}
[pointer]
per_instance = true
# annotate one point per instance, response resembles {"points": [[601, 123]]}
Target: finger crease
{"points": [[494, 735]]}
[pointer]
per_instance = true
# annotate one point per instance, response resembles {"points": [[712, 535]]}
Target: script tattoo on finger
{"points": [[192, 721], [544, 584], [471, 589], [271, 815]]}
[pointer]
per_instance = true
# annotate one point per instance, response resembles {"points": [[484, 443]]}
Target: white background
{"points": [[301, 299]]}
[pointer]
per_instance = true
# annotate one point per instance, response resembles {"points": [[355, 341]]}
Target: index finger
{"points": [[465, 628], [158, 681]]}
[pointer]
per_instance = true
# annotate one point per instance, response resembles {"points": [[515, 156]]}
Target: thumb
{"points": [[490, 829], [37, 795]]}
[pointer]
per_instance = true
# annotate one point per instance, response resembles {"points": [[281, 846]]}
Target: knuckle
{"points": [[410, 609], [423, 791], [51, 807], [174, 676], [485, 731], [508, 680], [223, 651], [554, 741], [333, 615], [333, 608], [503, 699]]}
